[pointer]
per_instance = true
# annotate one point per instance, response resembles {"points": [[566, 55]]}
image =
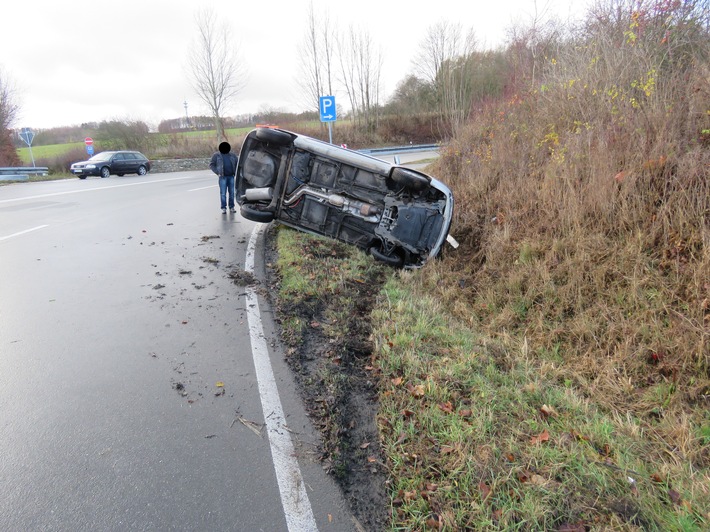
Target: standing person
{"points": [[224, 164]]}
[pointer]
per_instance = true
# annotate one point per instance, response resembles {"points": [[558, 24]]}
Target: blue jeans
{"points": [[226, 184]]}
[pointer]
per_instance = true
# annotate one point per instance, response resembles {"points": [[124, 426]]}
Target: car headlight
{"points": [[91, 166]]}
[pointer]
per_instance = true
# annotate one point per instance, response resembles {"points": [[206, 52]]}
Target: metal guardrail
{"points": [[34, 170], [401, 149], [21, 173]]}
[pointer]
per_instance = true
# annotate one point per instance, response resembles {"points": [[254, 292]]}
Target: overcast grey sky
{"points": [[76, 61]]}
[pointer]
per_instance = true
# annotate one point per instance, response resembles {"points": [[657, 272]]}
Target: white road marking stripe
{"points": [[202, 188], [23, 232], [294, 499], [49, 195]]}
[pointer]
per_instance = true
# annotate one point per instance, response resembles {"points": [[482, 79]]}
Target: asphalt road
{"points": [[119, 322]]}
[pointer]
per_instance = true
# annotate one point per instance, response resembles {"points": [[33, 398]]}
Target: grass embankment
{"points": [[479, 433], [553, 373]]}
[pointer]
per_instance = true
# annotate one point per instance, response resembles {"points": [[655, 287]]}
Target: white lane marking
{"points": [[49, 195], [203, 188], [294, 499], [23, 232]]}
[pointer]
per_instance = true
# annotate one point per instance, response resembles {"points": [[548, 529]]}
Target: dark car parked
{"points": [[117, 163], [399, 215]]}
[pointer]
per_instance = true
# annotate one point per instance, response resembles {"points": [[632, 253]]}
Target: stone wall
{"points": [[179, 165]]}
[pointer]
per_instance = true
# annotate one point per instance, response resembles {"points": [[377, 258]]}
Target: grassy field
{"points": [[51, 151], [55, 151]]}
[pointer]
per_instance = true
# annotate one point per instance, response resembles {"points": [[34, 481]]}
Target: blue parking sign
{"points": [[327, 108], [90, 149]]}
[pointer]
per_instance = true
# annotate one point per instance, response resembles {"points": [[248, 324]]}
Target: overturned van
{"points": [[399, 215]]}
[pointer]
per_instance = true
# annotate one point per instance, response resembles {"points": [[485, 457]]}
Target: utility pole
{"points": [[187, 118]]}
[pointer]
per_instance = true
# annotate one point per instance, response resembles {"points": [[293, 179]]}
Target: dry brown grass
{"points": [[583, 211]]}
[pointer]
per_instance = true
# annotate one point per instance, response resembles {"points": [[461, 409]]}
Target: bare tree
{"points": [[535, 42], [434, 50], [9, 110], [361, 69], [317, 52], [446, 60], [8, 102], [217, 74]]}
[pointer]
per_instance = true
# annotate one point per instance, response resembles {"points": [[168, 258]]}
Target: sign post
{"points": [[28, 136], [89, 145], [326, 105]]}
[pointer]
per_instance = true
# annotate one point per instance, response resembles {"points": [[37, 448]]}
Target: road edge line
{"points": [[294, 499]]}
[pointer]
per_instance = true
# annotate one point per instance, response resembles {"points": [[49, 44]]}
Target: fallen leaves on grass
{"points": [[485, 490], [540, 438], [417, 390], [434, 522], [446, 407]]}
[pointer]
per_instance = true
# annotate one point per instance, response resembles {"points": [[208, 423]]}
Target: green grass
{"points": [[50, 151], [477, 438], [478, 435]]}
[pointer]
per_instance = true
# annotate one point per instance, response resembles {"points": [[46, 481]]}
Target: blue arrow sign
{"points": [[327, 108]]}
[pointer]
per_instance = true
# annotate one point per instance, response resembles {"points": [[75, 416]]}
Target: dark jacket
{"points": [[217, 166]]}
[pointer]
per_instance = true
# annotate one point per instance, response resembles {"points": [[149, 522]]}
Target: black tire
{"points": [[142, 170], [82, 177], [119, 175], [105, 172], [407, 178], [250, 212], [272, 136], [393, 260]]}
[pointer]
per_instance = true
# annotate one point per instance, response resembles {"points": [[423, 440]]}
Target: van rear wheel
{"points": [[252, 213], [409, 179], [272, 136]]}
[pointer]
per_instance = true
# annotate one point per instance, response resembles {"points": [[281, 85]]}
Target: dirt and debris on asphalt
{"points": [[342, 406]]}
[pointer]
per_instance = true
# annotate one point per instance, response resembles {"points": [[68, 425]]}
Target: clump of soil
{"points": [[241, 277], [336, 381]]}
